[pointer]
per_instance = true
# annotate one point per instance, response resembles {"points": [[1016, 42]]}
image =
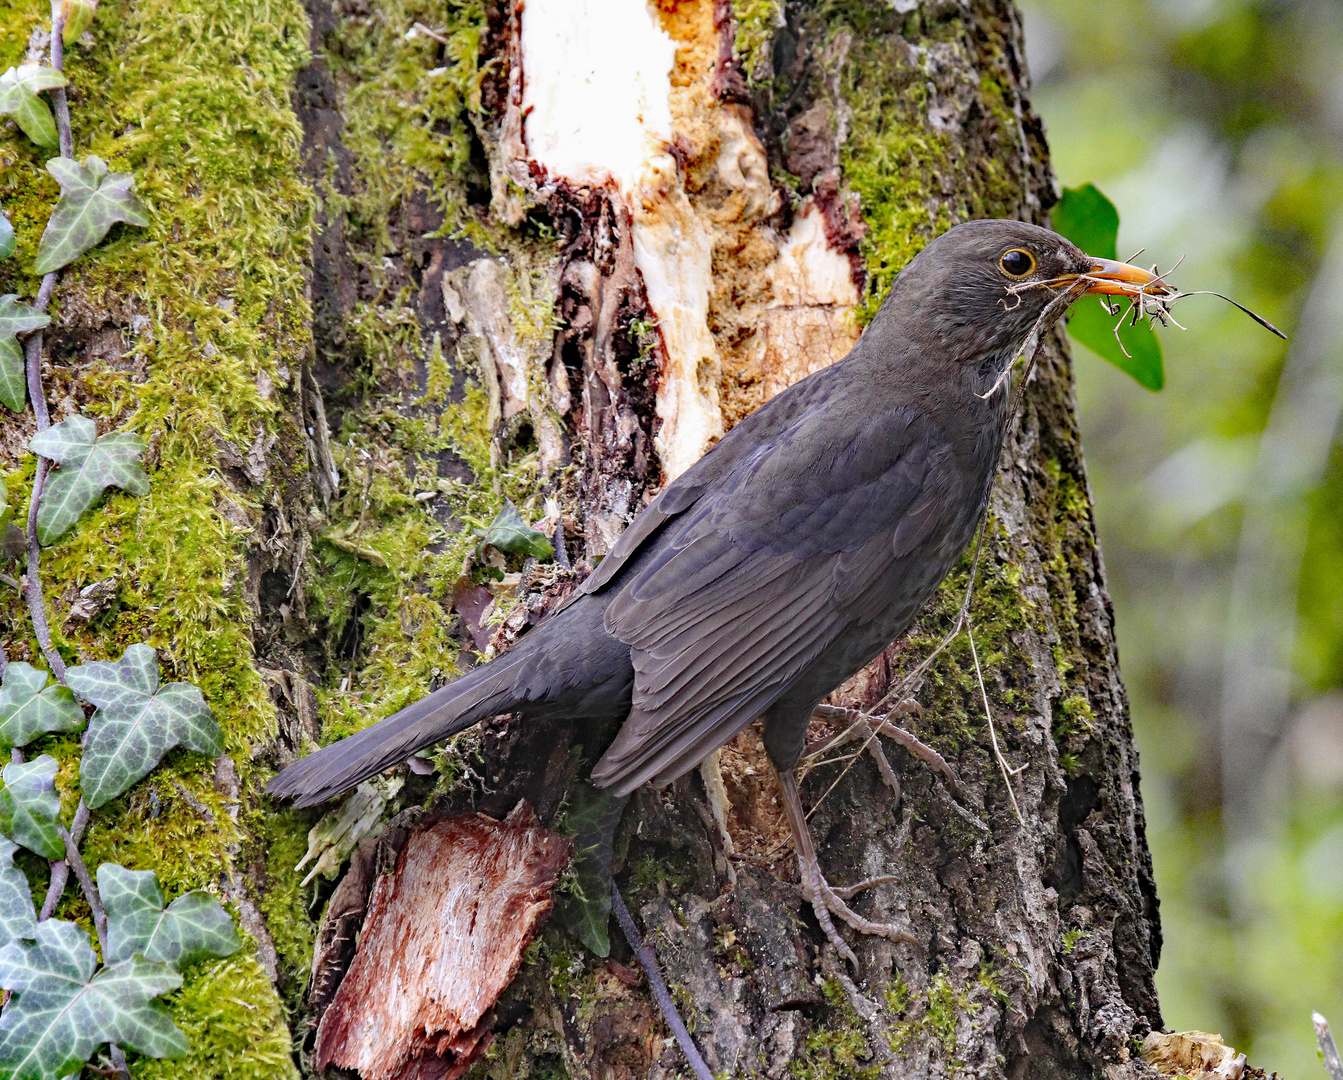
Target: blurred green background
{"points": [[1216, 127]]}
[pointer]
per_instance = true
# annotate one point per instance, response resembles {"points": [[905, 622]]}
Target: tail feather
{"points": [[481, 693]]}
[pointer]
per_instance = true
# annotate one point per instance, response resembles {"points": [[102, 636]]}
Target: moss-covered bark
{"points": [[192, 334], [323, 184]]}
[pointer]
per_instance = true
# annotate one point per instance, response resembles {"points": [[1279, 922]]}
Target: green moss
{"points": [[934, 1015], [757, 21], [912, 181], [233, 1023], [284, 902], [408, 110], [384, 545], [382, 576], [1072, 716], [838, 1049], [193, 99]]}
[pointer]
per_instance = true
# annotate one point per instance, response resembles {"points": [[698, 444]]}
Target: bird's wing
{"points": [[767, 426], [762, 570]]}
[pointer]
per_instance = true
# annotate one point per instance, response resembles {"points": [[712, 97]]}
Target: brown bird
{"points": [[791, 554]]}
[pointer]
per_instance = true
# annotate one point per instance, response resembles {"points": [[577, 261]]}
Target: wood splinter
{"points": [[443, 937]]}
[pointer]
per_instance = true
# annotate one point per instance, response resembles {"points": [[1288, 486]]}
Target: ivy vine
{"points": [[66, 999]]}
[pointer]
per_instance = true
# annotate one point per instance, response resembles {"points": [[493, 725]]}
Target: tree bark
{"points": [[489, 316]]}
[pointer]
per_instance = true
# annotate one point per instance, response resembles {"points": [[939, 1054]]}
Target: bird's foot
{"points": [[855, 725], [823, 898]]}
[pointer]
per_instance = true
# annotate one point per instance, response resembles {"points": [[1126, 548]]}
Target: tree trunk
{"points": [[541, 270]]}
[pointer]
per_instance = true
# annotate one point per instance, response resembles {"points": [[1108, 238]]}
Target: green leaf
{"points": [[16, 318], [193, 926], [29, 806], [1090, 220], [29, 707], [13, 385], [78, 17], [91, 202], [12, 542], [137, 722], [1090, 324], [17, 917], [6, 236], [60, 1012], [89, 465], [18, 97], [584, 909], [509, 533]]}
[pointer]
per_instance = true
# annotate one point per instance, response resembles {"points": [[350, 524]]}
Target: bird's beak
{"points": [[1122, 279]]}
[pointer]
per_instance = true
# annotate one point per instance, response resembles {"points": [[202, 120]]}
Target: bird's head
{"points": [[981, 288]]}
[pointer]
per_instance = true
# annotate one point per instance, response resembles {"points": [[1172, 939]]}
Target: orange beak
{"points": [[1123, 279]]}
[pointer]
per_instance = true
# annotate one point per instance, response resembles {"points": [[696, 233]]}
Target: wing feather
{"points": [[759, 571]]}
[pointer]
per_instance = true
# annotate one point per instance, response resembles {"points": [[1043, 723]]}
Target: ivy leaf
{"points": [[78, 15], [12, 542], [17, 917], [29, 806], [16, 318], [137, 722], [191, 927], [89, 465], [12, 383], [29, 707], [60, 1012], [18, 98], [584, 910], [92, 201], [1090, 220], [6, 236], [509, 533]]}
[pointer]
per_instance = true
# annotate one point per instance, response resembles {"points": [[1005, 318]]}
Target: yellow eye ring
{"points": [[1017, 263]]}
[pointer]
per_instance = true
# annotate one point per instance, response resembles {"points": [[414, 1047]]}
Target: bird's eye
{"points": [[1017, 263]]}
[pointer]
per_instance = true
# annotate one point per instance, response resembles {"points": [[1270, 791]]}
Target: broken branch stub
{"points": [[443, 937]]}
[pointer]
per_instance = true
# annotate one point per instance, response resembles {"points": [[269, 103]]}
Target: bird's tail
{"points": [[483, 692]]}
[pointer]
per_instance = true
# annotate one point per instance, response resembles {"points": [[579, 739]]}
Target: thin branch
{"points": [[37, 607], [1328, 1048], [59, 103], [60, 869], [60, 874], [649, 962], [118, 1057], [37, 604], [86, 884]]}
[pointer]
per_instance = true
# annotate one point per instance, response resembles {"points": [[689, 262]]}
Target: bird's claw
{"points": [[854, 726], [826, 901], [848, 892]]}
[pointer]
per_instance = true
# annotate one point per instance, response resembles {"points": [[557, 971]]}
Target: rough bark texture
{"points": [[331, 422]]}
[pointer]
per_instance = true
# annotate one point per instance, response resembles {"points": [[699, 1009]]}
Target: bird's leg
{"points": [[824, 900], [854, 725]]}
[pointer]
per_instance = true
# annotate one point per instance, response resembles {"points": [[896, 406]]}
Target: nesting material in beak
{"points": [[1113, 278]]}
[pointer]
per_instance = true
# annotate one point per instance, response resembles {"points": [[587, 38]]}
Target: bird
{"points": [[790, 554]]}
